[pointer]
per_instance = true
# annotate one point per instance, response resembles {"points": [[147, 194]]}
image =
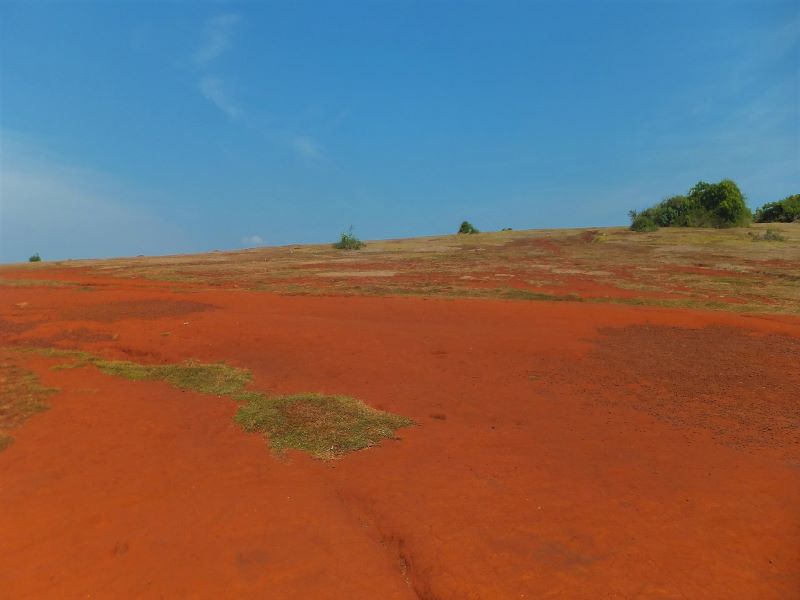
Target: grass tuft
{"points": [[249, 396], [217, 378], [324, 426], [21, 397], [517, 294], [770, 235]]}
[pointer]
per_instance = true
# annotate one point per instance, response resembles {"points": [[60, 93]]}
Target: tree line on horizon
{"points": [[716, 205]]}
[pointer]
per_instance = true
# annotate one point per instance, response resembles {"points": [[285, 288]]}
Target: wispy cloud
{"points": [[217, 39], [216, 92], [252, 240], [306, 147], [216, 88]]}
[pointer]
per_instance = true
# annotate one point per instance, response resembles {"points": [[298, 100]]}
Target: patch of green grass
{"points": [[67, 366], [21, 397], [34, 283], [248, 396], [78, 355], [514, 294], [217, 378], [324, 426]]}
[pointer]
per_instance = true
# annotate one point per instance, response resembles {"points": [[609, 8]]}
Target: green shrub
{"points": [[467, 227], [723, 201], [35, 258], [349, 241], [706, 205], [783, 211], [642, 222]]}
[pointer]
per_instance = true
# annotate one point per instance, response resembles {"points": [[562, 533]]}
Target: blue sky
{"points": [[154, 128]]}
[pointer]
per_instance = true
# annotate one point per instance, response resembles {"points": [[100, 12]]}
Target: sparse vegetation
{"points": [[467, 227], [706, 205], [770, 235], [783, 211], [349, 241], [35, 283], [21, 396], [218, 378], [650, 266], [324, 426], [515, 294], [35, 258]]}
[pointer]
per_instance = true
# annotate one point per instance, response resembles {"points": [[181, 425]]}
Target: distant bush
{"points": [[35, 258], [642, 222], [770, 235], [706, 205], [349, 241], [783, 211], [506, 229], [467, 227]]}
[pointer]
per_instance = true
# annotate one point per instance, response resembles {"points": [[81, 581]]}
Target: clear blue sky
{"points": [[143, 128]]}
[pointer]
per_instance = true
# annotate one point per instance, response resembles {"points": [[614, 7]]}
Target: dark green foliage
{"points": [[35, 258], [706, 205], [349, 241], [467, 227], [642, 222], [783, 211]]}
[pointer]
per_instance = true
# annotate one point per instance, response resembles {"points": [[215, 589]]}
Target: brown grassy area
{"points": [[694, 268]]}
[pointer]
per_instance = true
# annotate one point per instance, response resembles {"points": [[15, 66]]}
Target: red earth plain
{"points": [[598, 414]]}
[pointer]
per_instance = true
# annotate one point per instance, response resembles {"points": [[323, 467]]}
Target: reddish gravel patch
{"points": [[14, 327], [75, 336], [742, 387], [564, 450], [133, 309]]}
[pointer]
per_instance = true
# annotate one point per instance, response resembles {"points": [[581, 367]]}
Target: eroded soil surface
{"points": [[562, 450]]}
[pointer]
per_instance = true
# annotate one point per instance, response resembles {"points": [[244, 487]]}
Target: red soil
{"points": [[562, 450]]}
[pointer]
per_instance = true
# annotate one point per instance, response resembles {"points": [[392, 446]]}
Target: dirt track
{"points": [[552, 456]]}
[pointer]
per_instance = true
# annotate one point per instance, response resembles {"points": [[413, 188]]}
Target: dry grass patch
{"points": [[21, 397], [217, 379], [324, 426], [29, 283]]}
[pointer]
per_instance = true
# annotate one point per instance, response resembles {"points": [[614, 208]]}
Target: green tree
{"points": [[467, 227]]}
